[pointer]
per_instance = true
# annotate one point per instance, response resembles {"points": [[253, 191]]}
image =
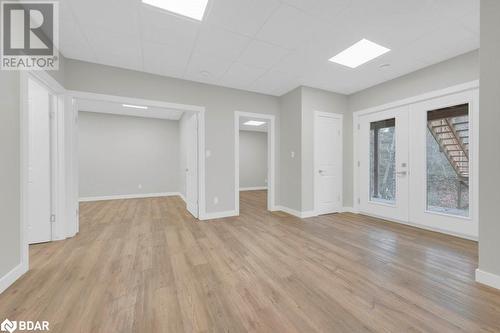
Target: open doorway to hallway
{"points": [[254, 160]]}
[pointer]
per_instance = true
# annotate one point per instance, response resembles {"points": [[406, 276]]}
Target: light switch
{"points": [[292, 154]]}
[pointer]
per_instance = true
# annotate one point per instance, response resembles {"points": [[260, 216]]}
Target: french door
{"points": [[442, 154], [415, 164], [383, 164]]}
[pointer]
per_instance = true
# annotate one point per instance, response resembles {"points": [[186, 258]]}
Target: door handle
{"points": [[321, 171], [402, 173]]}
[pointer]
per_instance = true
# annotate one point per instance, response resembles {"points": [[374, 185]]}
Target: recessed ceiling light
{"points": [[194, 9], [135, 106], [254, 123], [360, 53]]}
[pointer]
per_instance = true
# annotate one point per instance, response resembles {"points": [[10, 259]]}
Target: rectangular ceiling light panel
{"points": [[194, 9], [254, 123], [135, 106], [360, 53]]}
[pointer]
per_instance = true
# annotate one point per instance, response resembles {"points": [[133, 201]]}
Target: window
{"points": [[383, 161], [448, 160]]}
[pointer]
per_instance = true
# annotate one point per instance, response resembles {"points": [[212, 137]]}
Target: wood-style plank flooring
{"points": [[147, 266]]}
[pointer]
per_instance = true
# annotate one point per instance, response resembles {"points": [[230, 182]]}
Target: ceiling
{"points": [[87, 105], [270, 46]]}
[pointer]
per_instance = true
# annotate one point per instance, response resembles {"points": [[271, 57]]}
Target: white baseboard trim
{"points": [[12, 276], [182, 197], [296, 213], [488, 279], [422, 226], [218, 215], [257, 188], [129, 196]]}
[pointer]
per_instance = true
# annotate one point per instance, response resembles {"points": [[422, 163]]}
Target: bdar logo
{"points": [[8, 326]]}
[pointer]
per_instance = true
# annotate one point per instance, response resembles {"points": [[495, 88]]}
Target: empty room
{"points": [[250, 166]]}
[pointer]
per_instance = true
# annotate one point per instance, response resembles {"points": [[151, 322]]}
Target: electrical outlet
{"points": [[216, 200], [139, 186], [292, 154]]}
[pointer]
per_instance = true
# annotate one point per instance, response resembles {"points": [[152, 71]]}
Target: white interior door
{"points": [[328, 163], [383, 164], [39, 188], [192, 165]]}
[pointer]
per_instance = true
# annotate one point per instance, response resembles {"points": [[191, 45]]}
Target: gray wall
{"points": [[463, 68], [290, 141], [253, 159], [489, 153], [10, 226], [220, 103], [117, 153], [324, 101], [59, 74]]}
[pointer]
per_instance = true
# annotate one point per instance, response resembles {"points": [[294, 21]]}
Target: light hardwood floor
{"points": [[146, 266]]}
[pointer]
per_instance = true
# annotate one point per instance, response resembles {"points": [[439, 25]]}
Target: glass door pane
{"points": [[448, 160], [383, 161]]}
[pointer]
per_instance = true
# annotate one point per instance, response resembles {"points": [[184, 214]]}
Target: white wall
{"points": [[253, 159], [489, 157], [119, 153]]}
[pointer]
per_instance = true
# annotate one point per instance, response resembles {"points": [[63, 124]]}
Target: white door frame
{"points": [[199, 110], [316, 176], [59, 156], [271, 156], [472, 85]]}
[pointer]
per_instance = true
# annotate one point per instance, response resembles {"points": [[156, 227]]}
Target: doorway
{"points": [[42, 162], [189, 143], [255, 134], [155, 148], [416, 164]]}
